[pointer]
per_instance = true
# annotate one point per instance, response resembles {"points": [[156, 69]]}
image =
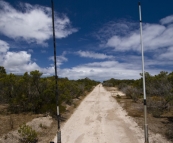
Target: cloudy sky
{"points": [[98, 39]]}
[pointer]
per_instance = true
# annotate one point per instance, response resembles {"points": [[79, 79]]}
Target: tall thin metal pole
{"points": [[143, 72], [56, 77]]}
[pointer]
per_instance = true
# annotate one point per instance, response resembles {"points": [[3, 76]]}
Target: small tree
{"points": [[27, 134], [2, 70]]}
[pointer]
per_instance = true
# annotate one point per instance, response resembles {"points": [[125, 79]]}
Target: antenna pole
{"points": [[56, 77], [143, 72]]}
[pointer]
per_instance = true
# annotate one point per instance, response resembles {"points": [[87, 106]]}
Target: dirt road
{"points": [[100, 119]]}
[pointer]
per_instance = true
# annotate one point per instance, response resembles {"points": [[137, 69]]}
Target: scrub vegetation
{"points": [[33, 93], [159, 91], [30, 96]]}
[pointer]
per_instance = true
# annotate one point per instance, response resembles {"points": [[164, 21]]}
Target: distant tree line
{"points": [[31, 92], [159, 90]]}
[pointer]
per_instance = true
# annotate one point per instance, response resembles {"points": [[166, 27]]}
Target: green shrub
{"points": [[118, 96], [27, 134], [157, 113], [62, 108], [42, 126], [131, 92], [169, 133]]}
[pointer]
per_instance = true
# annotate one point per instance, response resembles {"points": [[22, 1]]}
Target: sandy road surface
{"points": [[100, 119]]}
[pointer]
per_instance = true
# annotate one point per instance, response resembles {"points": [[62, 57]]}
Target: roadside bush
{"points": [[62, 108], [122, 85], [33, 93], [118, 96], [27, 134], [161, 104], [169, 133], [156, 112], [153, 102], [131, 92]]}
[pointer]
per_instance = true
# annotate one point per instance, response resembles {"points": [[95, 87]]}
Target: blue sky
{"points": [[95, 39]]}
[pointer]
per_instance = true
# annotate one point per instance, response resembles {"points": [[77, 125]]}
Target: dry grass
{"points": [[156, 125], [135, 109], [10, 122]]}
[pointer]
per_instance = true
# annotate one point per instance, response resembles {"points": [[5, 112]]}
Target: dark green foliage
{"points": [[170, 77], [86, 84], [159, 93], [115, 82], [27, 134], [156, 112], [159, 90], [32, 93], [2, 70], [7, 83], [169, 133]]}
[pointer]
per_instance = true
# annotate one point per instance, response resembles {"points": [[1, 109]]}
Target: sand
{"points": [[100, 119]]}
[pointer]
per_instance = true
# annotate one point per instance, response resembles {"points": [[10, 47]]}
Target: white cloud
{"points": [[124, 43], [128, 68], [4, 47], [112, 28], [89, 54], [33, 23], [105, 70], [16, 58], [19, 62], [155, 36], [157, 40], [59, 59], [125, 64], [167, 20], [16, 62], [167, 55]]}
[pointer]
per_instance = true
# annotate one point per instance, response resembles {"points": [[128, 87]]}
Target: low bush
{"points": [[131, 92], [118, 96], [169, 133], [156, 112], [27, 134]]}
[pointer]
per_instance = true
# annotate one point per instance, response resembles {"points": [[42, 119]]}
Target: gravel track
{"points": [[100, 119]]}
